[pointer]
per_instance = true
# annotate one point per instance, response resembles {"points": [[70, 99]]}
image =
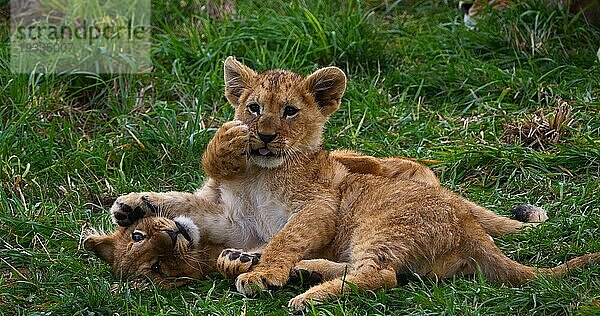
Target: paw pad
{"points": [[233, 262], [125, 214]]}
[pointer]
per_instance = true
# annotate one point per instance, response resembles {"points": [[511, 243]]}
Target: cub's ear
{"points": [[327, 85], [237, 78], [102, 245]]}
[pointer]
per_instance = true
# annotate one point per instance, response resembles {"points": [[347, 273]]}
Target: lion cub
{"points": [[271, 160]]}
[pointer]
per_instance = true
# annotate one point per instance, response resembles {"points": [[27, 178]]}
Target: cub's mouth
{"points": [[263, 152]]}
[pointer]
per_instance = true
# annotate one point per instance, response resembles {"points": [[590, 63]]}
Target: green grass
{"points": [[421, 85]]}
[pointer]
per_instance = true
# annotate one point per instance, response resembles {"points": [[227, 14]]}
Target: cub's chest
{"points": [[257, 207]]}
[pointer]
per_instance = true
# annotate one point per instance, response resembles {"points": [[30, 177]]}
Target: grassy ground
{"points": [[421, 85]]}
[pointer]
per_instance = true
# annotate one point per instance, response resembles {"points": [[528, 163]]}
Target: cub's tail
{"points": [[500, 269], [566, 267], [497, 225]]}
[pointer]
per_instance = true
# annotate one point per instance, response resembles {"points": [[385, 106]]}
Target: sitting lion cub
{"points": [[272, 160]]}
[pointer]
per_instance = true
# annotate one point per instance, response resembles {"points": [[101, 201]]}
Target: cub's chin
{"points": [[268, 162], [266, 158]]}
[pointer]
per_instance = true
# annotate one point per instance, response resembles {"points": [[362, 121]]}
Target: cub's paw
{"points": [[250, 283], [230, 141], [307, 299], [131, 207], [301, 302], [233, 262], [530, 214], [225, 154], [231, 132]]}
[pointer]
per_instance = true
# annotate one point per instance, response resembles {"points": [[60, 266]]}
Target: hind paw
{"points": [[305, 277]]}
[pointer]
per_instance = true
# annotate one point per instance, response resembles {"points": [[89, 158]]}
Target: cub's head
{"points": [[285, 112], [157, 247]]}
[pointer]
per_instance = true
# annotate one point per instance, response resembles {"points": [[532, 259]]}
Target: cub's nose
{"points": [[267, 138]]}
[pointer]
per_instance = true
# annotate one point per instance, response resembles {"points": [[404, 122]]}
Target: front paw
{"points": [[233, 262], [251, 283], [225, 154], [129, 208]]}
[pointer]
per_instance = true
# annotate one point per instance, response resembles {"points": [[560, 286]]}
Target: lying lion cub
{"points": [[176, 237], [271, 181]]}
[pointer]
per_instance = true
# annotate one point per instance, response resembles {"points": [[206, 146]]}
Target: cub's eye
{"points": [[290, 111], [138, 236], [155, 267], [254, 108]]}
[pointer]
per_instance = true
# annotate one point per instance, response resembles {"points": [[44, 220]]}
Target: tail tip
{"points": [[530, 214]]}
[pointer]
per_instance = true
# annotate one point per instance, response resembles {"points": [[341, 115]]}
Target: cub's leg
{"points": [[366, 274], [233, 262], [492, 262], [400, 168], [498, 268], [376, 256], [133, 206], [311, 228]]}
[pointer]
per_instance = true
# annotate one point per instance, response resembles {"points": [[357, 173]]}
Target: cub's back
{"points": [[364, 195]]}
